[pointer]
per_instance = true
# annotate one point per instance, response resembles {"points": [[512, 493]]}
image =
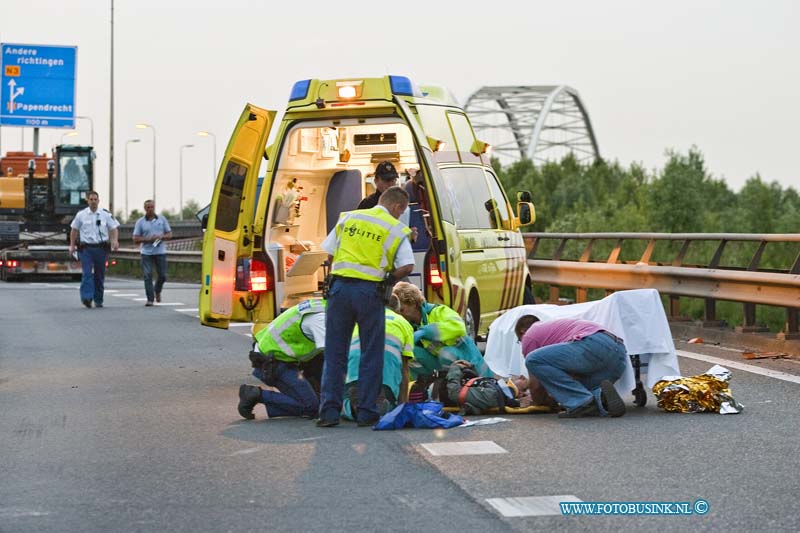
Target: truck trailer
{"points": [[39, 196]]}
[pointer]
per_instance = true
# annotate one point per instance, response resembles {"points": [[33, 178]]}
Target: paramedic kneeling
{"points": [[366, 245], [576, 361], [295, 337]]}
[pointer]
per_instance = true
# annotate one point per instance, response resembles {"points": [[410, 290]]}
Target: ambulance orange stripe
{"points": [[512, 280]]}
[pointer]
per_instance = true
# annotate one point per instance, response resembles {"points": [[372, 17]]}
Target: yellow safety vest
{"points": [[366, 243], [284, 336]]}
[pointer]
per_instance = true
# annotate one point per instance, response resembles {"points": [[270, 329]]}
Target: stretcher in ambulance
{"points": [[262, 256]]}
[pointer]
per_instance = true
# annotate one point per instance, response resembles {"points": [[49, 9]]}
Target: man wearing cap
{"points": [[370, 248], [385, 177]]}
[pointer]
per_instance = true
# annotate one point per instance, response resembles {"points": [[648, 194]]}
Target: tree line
{"points": [[681, 197]]}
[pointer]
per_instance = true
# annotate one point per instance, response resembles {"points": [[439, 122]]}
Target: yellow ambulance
{"points": [[261, 248]]}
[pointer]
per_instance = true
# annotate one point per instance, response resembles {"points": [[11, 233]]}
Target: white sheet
{"points": [[636, 316]]}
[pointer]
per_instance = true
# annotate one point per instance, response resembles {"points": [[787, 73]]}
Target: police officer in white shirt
{"points": [[94, 232]]}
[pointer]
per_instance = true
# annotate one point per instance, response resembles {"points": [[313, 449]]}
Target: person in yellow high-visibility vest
{"points": [[398, 350], [294, 338], [440, 336], [370, 247]]}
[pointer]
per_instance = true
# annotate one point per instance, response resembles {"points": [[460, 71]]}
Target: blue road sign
{"points": [[37, 88]]}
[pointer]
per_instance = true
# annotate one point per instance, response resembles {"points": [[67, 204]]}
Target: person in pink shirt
{"points": [[577, 362]]}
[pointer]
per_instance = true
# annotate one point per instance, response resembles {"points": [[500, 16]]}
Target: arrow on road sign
{"points": [[13, 93]]}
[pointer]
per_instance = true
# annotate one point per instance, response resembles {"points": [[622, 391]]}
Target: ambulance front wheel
{"points": [[472, 317], [527, 295]]}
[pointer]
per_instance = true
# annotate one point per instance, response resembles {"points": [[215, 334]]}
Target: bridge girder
{"points": [[538, 122]]}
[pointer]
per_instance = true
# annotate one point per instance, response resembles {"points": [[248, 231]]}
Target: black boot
{"points": [[249, 396]]}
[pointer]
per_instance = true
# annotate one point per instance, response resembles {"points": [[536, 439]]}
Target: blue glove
{"points": [[418, 336]]}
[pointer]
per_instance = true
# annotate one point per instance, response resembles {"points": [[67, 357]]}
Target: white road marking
{"points": [[239, 324], [530, 506], [247, 451], [126, 295], [192, 310], [740, 366], [168, 303], [140, 299], [476, 447]]}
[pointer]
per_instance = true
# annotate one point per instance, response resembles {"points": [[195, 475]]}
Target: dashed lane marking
{"points": [[240, 324], [783, 376], [168, 304], [126, 295], [192, 310], [476, 447], [530, 506]]}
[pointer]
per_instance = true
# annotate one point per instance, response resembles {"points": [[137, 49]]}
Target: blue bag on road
{"points": [[418, 415]]}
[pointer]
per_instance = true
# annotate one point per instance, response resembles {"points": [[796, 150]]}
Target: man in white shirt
{"points": [[94, 232]]}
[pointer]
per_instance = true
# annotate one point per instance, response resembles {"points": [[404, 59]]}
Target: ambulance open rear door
{"points": [[228, 272]]}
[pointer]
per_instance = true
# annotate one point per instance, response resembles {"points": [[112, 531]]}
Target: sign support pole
{"points": [[111, 124]]}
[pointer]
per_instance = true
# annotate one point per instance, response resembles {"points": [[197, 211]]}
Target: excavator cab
{"points": [[74, 178]]}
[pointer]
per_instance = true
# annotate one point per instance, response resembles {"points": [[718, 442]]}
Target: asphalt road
{"points": [[124, 419]]}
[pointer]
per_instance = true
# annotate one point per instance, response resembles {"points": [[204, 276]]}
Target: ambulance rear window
{"points": [[230, 197]]}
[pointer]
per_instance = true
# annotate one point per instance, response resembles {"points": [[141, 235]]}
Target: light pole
{"points": [[72, 133], [143, 126], [91, 129], [127, 213], [214, 147], [180, 179]]}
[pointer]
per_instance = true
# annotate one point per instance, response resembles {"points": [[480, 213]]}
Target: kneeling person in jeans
{"points": [[576, 361], [150, 232], [294, 338]]}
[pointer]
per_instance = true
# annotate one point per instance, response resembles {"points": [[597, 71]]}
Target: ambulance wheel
{"points": [[527, 295], [472, 317], [639, 395]]}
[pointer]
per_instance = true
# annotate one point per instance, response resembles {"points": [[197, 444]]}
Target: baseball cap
{"points": [[385, 171]]}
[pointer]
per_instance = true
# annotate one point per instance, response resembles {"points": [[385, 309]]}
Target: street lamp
{"points": [[180, 179], [91, 129], [127, 213], [143, 126], [72, 133], [214, 147]]}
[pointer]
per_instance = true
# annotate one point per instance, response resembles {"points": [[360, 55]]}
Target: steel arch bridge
{"points": [[538, 122]]}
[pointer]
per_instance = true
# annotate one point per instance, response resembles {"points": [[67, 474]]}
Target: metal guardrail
{"points": [[179, 256], [623, 267], [712, 281]]}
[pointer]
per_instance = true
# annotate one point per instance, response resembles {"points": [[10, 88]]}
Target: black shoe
{"points": [[588, 409], [612, 401], [322, 423], [158, 297], [87, 303], [368, 423], [98, 305], [249, 396]]}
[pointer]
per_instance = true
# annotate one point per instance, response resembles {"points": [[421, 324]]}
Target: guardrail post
{"points": [[749, 321], [710, 314], [675, 308], [555, 293], [790, 330]]}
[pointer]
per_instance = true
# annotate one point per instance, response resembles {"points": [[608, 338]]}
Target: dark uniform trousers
{"points": [[350, 302]]}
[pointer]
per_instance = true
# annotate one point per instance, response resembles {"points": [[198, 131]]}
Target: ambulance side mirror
{"points": [[526, 213]]}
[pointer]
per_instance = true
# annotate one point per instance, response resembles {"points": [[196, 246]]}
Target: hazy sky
{"points": [[721, 75]]}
